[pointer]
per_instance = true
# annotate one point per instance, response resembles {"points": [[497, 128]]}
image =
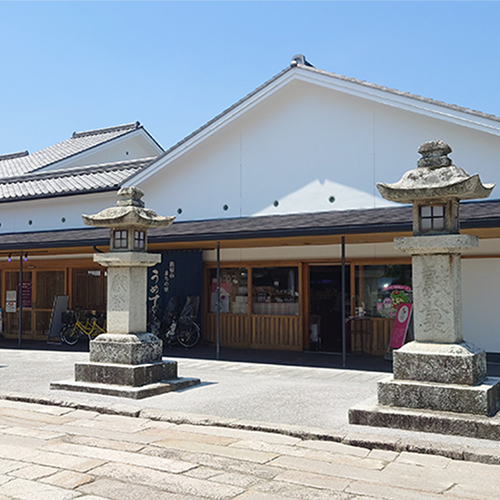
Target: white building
{"points": [[307, 146]]}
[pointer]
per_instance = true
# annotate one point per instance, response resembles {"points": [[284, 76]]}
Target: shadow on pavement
{"points": [[206, 351]]}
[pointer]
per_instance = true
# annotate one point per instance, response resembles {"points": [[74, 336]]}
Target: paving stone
{"points": [[68, 479], [5, 479], [429, 447], [12, 451], [371, 441], [82, 414], [23, 489], [333, 447], [174, 483], [313, 453], [459, 469], [165, 464], [33, 407], [240, 434], [259, 495], [385, 455], [314, 480], [216, 462], [169, 434], [10, 465], [423, 478], [30, 432], [100, 433], [111, 444], [116, 490], [472, 491], [389, 492], [419, 478], [91, 497], [434, 461], [33, 471], [202, 472], [224, 451], [297, 491], [236, 479], [69, 462], [33, 416], [115, 423]]}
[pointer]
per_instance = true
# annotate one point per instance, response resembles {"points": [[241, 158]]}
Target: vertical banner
{"points": [[400, 326], [179, 274]]}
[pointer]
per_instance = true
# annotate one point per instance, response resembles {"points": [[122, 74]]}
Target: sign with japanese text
{"points": [[400, 328], [24, 290]]}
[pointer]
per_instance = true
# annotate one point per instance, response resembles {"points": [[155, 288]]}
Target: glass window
{"points": [[380, 289], [139, 240], [233, 290], [432, 217], [120, 239], [275, 290]]}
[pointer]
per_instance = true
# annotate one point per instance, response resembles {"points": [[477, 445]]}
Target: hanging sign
{"points": [[10, 301], [400, 328], [25, 293]]}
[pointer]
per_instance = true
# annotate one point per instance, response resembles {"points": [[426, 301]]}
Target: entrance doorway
{"points": [[325, 295]]}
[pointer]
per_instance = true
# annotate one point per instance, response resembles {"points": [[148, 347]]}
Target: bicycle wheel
{"points": [[188, 334], [70, 334]]}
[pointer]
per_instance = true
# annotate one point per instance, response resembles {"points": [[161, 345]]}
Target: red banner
{"points": [[400, 328]]}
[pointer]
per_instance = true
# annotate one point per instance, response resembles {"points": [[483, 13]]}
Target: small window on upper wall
{"points": [[432, 218]]}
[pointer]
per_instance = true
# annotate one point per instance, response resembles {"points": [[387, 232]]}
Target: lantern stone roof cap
{"points": [[129, 211], [435, 178]]}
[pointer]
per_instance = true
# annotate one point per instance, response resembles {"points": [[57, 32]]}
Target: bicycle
{"points": [[74, 329], [175, 327]]}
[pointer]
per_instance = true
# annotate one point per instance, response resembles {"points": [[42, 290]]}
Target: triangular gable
{"points": [[74, 150], [305, 72]]}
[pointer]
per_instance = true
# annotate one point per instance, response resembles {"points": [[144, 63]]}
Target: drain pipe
{"points": [[20, 298], [218, 303], [343, 303]]}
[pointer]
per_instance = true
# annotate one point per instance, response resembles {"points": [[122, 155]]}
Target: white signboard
{"points": [[10, 301]]}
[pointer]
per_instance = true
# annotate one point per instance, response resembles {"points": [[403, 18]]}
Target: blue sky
{"points": [[71, 66]]}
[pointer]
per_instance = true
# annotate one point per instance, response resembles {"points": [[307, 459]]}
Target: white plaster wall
{"points": [[481, 300], [361, 251], [129, 147], [302, 145], [47, 214]]}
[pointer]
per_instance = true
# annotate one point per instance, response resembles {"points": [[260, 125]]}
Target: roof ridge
{"points": [[11, 156], [107, 130], [72, 171], [401, 93]]}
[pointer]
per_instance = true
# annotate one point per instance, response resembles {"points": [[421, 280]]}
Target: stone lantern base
{"points": [[436, 388], [126, 365]]}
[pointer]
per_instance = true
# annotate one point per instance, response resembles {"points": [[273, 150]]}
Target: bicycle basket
{"points": [[68, 317]]}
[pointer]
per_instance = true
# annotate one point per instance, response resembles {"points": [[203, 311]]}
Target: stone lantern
{"points": [[127, 360], [438, 371], [127, 261]]}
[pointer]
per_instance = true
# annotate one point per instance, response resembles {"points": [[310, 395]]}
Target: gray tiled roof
{"points": [[379, 220], [401, 93], [16, 164], [76, 180]]}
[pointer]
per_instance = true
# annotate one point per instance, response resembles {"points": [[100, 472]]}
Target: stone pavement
{"points": [[250, 431], [57, 453]]}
